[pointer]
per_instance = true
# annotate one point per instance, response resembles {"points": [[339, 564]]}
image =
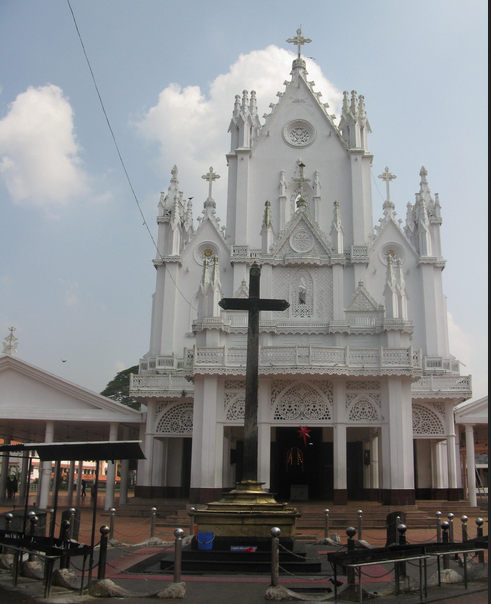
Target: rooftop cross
{"points": [[210, 177], [10, 343], [299, 40], [387, 176], [253, 304]]}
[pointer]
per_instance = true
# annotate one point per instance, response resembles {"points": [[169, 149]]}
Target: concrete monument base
{"points": [[249, 512]]}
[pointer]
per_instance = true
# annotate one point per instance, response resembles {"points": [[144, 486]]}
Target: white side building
{"points": [[361, 357]]}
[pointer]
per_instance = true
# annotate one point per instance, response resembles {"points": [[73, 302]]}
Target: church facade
{"points": [[356, 381]]}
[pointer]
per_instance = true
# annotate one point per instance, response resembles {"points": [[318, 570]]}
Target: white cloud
{"points": [[192, 127], [38, 149], [71, 292], [460, 343]]}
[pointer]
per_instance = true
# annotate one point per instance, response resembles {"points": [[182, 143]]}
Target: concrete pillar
{"points": [[5, 471], [374, 469], [340, 495], [80, 471], [111, 470], [471, 464], [146, 479], [125, 464], [264, 454], [453, 492], [71, 477], [45, 468], [23, 476]]}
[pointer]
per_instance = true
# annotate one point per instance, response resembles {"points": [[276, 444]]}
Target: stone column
{"points": [[71, 477], [125, 463], [5, 472], [80, 472], [111, 470], [23, 476], [374, 466], [340, 494], [400, 454], [145, 477], [206, 474], [264, 433], [470, 455], [45, 468]]}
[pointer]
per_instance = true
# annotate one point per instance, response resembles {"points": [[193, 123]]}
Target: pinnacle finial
{"points": [[10, 343]]}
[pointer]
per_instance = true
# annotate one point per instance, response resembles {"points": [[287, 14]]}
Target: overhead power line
{"points": [[145, 224]]}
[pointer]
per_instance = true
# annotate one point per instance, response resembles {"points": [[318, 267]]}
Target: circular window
{"points": [[301, 241], [393, 249], [207, 250], [299, 133]]}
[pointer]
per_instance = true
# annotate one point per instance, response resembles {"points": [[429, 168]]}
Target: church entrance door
{"points": [[301, 470]]}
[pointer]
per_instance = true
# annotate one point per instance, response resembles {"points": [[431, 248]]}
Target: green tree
{"points": [[118, 389]]}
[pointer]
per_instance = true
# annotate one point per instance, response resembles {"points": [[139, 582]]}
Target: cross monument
{"points": [[254, 305], [299, 41], [387, 177], [210, 177]]}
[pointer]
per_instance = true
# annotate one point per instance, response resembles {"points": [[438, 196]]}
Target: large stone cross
{"points": [[254, 305], [387, 177], [210, 177], [299, 41]]}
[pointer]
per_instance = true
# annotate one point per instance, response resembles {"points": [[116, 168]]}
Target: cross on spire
{"points": [[10, 343], [210, 177], [387, 177], [299, 41]]}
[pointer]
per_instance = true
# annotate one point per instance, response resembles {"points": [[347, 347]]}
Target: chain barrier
{"points": [[296, 555], [313, 579], [374, 576]]}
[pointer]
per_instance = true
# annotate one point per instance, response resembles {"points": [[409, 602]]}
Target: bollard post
{"points": [[101, 571], [438, 527], [326, 524], [72, 522], [450, 517], [178, 534], [33, 520], [111, 523], [153, 511], [8, 522], [64, 537], [350, 573], [360, 519], [479, 523], [446, 559], [464, 528], [192, 511], [400, 567], [275, 556]]}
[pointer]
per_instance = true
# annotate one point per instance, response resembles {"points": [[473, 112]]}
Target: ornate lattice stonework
{"points": [[235, 410], [314, 283], [301, 241], [301, 401], [299, 133], [176, 419], [364, 407], [426, 422], [363, 385], [234, 385]]}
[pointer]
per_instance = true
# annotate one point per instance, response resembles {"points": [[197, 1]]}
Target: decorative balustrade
{"points": [[437, 364], [162, 363], [444, 384], [302, 356], [174, 385]]}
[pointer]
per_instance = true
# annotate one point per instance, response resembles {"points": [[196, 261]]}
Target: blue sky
{"points": [[76, 276]]}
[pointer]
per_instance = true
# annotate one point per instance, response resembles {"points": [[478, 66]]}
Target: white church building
{"points": [[357, 384]]}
